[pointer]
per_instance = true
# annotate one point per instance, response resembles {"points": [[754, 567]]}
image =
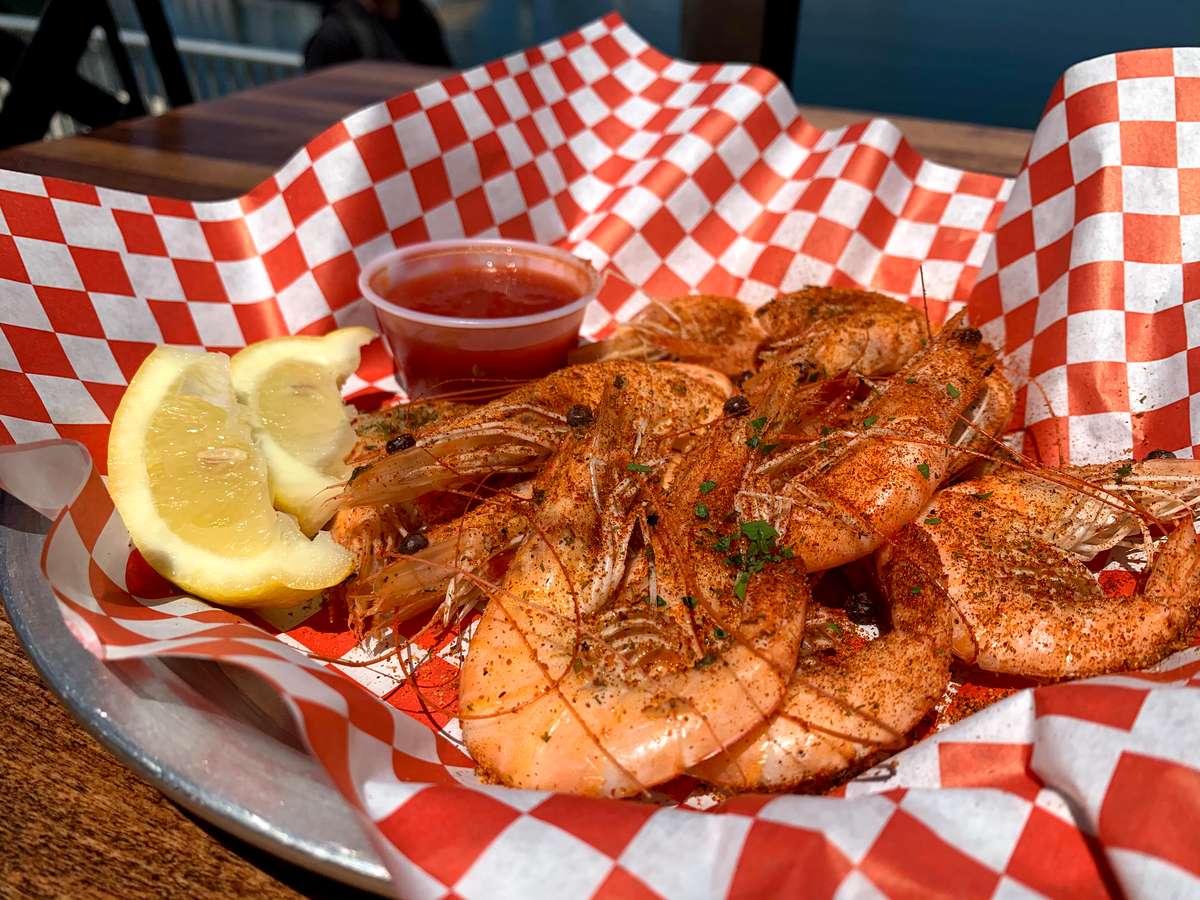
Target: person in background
{"points": [[400, 30]]}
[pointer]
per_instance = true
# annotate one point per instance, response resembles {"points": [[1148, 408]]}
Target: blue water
{"points": [[973, 60]]}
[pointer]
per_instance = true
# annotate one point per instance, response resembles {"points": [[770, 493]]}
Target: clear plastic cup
{"points": [[439, 354]]}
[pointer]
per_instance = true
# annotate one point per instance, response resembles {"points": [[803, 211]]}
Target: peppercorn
{"points": [[737, 405], [401, 442], [579, 415], [414, 543]]}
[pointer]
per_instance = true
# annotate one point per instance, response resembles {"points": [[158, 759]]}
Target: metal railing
{"points": [[214, 68]]}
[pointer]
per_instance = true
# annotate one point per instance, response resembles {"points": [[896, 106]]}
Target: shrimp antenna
{"points": [[925, 303]]}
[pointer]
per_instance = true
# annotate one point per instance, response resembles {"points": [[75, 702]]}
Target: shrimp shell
{"points": [[601, 670], [836, 330], [839, 498], [1007, 551], [517, 433], [709, 330]]}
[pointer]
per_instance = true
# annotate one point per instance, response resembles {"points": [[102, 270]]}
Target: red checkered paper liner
{"points": [[671, 177]]}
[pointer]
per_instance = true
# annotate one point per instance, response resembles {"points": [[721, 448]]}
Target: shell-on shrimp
{"points": [[376, 429], [713, 331], [835, 330], [437, 565], [515, 434], [621, 652], [842, 712], [1007, 549], [407, 581], [836, 499], [984, 421]]}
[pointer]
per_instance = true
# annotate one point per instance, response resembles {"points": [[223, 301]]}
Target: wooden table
{"points": [[76, 821]]}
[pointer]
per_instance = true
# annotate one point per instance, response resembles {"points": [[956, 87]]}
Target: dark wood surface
{"points": [[222, 148], [75, 821]]}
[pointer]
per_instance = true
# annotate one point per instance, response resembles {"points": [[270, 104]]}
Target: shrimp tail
{"points": [[1175, 576]]}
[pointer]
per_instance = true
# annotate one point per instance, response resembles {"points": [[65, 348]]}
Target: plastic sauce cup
{"points": [[438, 351]]}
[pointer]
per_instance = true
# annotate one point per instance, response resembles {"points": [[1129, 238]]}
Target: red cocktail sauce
{"points": [[435, 359], [477, 293]]}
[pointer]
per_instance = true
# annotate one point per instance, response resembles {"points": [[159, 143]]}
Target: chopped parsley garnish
{"points": [[639, 467], [869, 421], [932, 520], [910, 381], [720, 633], [983, 496], [701, 511], [760, 536], [1124, 471], [915, 589], [923, 468], [759, 531], [659, 601], [759, 424], [739, 586], [689, 602], [954, 392], [834, 627], [707, 487]]}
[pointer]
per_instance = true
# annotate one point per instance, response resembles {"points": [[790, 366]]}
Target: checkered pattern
{"points": [[672, 177], [1092, 284]]}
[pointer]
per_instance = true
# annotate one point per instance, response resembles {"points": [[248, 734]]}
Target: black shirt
{"points": [[349, 32]]}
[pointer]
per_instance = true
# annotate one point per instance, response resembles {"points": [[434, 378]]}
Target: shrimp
{"points": [[620, 649], [396, 424], [717, 332], [835, 330], [1008, 550], [371, 533], [444, 558], [836, 499], [985, 421], [515, 434], [433, 565], [842, 711]]}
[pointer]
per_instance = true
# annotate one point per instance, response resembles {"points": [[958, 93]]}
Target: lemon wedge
{"points": [[191, 485], [291, 386]]}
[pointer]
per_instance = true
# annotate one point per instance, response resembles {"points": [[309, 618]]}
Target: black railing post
{"points": [[781, 23], [166, 56]]}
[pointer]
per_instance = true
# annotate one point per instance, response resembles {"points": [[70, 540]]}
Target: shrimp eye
{"points": [[737, 405], [969, 336], [1160, 454], [400, 442], [414, 543], [579, 415], [805, 371]]}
